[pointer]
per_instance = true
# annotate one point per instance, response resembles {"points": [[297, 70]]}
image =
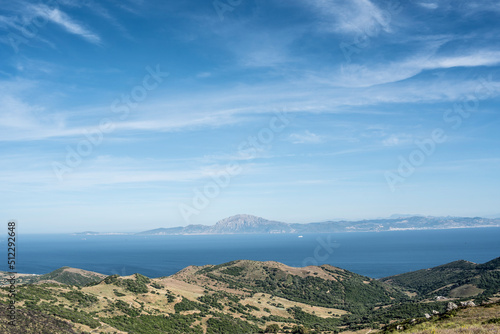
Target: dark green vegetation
{"points": [[222, 323], [479, 319], [148, 324], [188, 305], [137, 285], [32, 294], [31, 321], [72, 314], [456, 279], [254, 297], [330, 287], [64, 275], [79, 298]]}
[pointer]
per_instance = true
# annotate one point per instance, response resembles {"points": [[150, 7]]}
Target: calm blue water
{"points": [[371, 254]]}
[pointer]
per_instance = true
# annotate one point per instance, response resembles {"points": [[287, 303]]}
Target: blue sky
{"points": [[124, 115]]}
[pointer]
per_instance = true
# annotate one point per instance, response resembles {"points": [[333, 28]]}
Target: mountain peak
{"points": [[244, 223], [245, 219]]}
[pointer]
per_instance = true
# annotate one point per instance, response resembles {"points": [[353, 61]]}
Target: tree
{"points": [[273, 328], [300, 330]]}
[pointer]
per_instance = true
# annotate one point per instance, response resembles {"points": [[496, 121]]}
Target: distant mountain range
{"points": [[239, 224], [248, 224]]}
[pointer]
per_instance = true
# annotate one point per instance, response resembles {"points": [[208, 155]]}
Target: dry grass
{"points": [[471, 320], [266, 300], [465, 291], [478, 329]]}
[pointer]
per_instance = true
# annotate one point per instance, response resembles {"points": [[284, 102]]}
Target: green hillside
{"points": [[64, 275], [241, 297], [481, 319], [456, 279], [29, 321], [320, 286]]}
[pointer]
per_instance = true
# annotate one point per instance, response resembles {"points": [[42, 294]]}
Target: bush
{"points": [[188, 305], [229, 325], [273, 328], [150, 324], [81, 298]]}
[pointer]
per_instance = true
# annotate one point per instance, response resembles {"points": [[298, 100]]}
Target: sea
{"points": [[373, 254]]}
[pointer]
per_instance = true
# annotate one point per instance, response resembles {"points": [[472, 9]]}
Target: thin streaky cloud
{"points": [[353, 16], [361, 75], [59, 17], [306, 137], [428, 5]]}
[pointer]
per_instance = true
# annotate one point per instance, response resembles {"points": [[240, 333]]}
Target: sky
{"points": [[130, 115]]}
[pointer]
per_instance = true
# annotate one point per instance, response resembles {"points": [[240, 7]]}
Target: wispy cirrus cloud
{"points": [[23, 120], [365, 75], [397, 140], [306, 137], [62, 19], [428, 5], [350, 16]]}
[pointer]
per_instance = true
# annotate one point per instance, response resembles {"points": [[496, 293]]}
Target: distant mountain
{"points": [[399, 216], [239, 224], [455, 279], [87, 233], [411, 223], [493, 216], [248, 224], [64, 275]]}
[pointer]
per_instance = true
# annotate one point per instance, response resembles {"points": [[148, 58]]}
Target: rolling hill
{"points": [[244, 297], [64, 275], [456, 279]]}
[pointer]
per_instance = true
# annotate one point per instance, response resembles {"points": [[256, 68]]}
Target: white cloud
{"points": [[351, 16], [23, 121], [428, 5], [481, 58], [397, 139], [62, 19], [305, 138], [355, 75], [35, 171]]}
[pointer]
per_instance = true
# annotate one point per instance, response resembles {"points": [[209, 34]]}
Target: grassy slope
{"points": [[236, 297], [482, 319], [456, 279], [64, 275], [29, 321], [325, 286]]}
